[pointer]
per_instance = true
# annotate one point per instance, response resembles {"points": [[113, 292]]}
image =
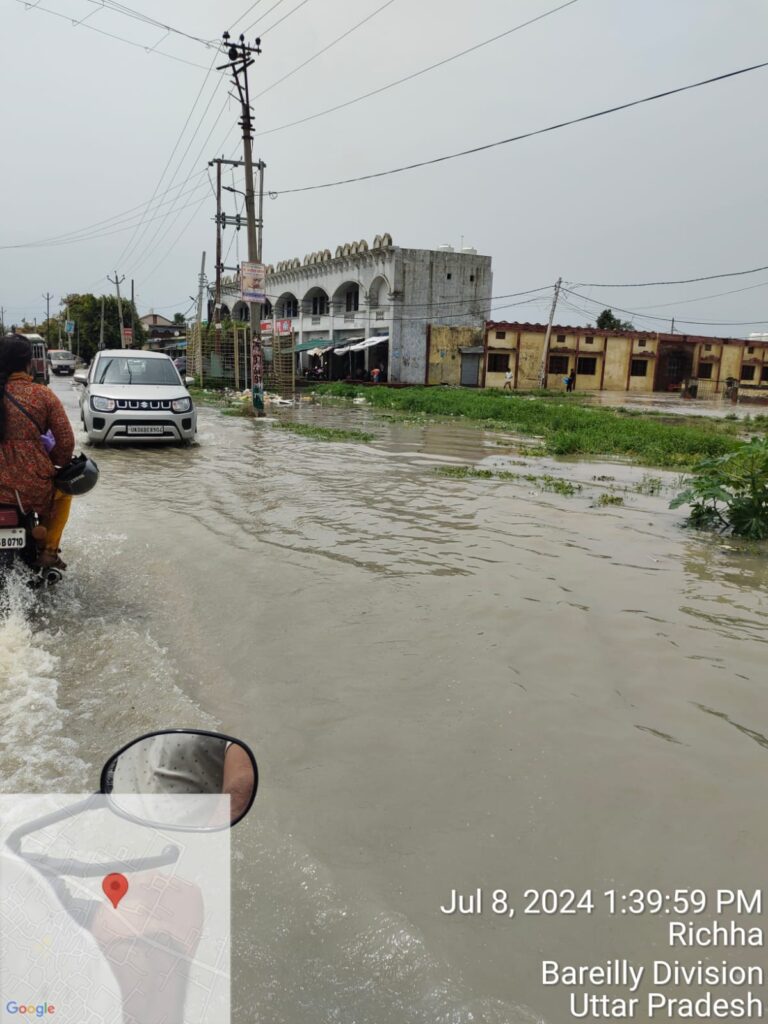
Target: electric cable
{"points": [[117, 8], [325, 49], [525, 135], [664, 319], [283, 18], [112, 35], [208, 73], [139, 260], [109, 222], [416, 74]]}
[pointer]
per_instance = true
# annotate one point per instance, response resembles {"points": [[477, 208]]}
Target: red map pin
{"points": [[115, 887]]}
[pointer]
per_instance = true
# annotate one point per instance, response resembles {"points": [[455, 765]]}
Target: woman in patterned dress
{"points": [[26, 468]]}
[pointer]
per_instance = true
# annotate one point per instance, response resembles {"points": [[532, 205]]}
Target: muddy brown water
{"points": [[449, 684]]}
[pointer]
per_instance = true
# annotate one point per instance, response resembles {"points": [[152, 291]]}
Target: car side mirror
{"points": [[80, 376]]}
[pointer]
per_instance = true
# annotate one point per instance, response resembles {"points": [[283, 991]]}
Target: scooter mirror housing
{"points": [[145, 776]]}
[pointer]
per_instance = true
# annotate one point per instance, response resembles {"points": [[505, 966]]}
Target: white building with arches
{"points": [[365, 306]]}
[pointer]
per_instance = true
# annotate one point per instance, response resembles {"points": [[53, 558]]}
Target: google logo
{"points": [[34, 1011]]}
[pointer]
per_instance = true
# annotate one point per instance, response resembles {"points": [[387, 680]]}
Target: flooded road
{"points": [[448, 683]]}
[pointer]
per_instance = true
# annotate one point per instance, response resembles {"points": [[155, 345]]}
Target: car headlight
{"points": [[182, 405], [103, 404]]}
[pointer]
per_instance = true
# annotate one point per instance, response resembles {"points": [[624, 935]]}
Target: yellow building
{"points": [[621, 360]]}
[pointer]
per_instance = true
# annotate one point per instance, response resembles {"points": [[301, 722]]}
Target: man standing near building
{"points": [[508, 376]]}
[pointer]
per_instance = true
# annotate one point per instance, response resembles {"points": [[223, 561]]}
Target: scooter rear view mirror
{"points": [[144, 778]]}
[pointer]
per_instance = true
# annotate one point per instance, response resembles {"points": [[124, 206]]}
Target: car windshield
{"points": [[132, 370], [61, 355]]}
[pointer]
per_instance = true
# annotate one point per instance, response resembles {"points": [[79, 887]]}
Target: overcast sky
{"points": [[674, 189]]}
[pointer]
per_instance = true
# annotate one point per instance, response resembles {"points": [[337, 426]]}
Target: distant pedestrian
{"points": [[508, 378], [571, 385], [375, 374]]}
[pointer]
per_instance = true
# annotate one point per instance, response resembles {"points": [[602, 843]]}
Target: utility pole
{"points": [[262, 166], [101, 325], [548, 335], [48, 298], [672, 329], [222, 220], [133, 316], [117, 282], [240, 59], [200, 290]]}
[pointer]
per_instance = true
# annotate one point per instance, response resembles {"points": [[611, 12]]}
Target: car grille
{"points": [[137, 405]]}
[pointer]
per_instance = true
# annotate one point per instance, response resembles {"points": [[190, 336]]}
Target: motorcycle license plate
{"points": [[145, 430], [12, 540]]}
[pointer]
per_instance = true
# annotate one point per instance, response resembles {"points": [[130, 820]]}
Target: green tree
{"points": [[85, 310], [178, 318], [608, 322]]}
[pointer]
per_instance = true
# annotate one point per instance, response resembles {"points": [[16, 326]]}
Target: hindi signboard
{"points": [[252, 282], [69, 327], [127, 337]]}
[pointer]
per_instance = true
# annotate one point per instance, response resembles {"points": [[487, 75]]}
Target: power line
{"points": [[173, 153], [284, 17], [665, 319], [112, 5], [417, 74], [325, 49], [525, 135], [116, 218], [111, 35], [689, 280], [137, 263], [245, 14], [265, 14], [181, 234], [704, 298]]}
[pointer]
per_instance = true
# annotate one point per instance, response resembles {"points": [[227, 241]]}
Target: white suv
{"points": [[135, 396]]}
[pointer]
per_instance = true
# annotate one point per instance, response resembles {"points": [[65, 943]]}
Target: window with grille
{"points": [[747, 373], [705, 371], [587, 366], [558, 364], [498, 362], [638, 368]]}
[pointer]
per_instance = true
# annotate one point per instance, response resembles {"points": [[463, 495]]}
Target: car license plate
{"points": [[12, 540], [145, 430]]}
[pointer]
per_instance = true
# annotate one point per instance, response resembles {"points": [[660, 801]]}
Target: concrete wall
{"points": [[441, 288], [445, 344], [502, 343]]}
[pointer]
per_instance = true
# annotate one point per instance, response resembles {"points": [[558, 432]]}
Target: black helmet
{"points": [[79, 477]]}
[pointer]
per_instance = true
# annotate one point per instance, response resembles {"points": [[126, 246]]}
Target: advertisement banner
{"points": [[252, 282], [127, 337]]}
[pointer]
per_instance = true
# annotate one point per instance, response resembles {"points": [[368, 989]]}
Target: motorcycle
{"points": [[21, 538], [141, 783]]}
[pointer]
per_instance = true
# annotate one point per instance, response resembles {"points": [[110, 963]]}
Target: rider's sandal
{"points": [[49, 559]]}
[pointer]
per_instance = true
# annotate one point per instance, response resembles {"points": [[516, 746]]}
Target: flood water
{"points": [[448, 684]]}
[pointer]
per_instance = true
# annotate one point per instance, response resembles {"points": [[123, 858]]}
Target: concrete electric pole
{"points": [[48, 298], [117, 282], [545, 355], [240, 60]]}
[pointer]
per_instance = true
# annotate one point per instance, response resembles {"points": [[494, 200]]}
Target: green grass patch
{"points": [[564, 427], [324, 433], [610, 499], [546, 482], [649, 485]]}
